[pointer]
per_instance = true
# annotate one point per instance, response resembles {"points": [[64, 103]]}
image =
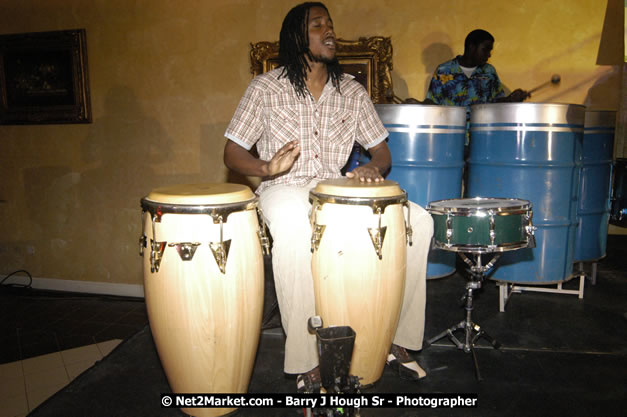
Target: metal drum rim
{"points": [[357, 201], [390, 105], [168, 208], [418, 114], [481, 248], [501, 211], [574, 105], [549, 114]]}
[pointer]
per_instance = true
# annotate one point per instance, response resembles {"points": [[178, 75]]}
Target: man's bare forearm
{"points": [[240, 160]]}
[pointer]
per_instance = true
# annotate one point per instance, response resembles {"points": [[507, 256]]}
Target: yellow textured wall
{"points": [[166, 76]]}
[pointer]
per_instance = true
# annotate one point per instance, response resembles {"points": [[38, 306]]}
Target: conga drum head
{"points": [[352, 187], [205, 193], [481, 225]]}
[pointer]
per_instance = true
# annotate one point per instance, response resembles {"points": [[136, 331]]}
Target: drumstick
{"points": [[555, 79]]}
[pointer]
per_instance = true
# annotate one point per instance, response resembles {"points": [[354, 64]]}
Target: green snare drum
{"points": [[482, 225]]}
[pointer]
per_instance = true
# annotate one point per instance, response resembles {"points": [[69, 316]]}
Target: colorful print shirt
{"points": [[451, 87]]}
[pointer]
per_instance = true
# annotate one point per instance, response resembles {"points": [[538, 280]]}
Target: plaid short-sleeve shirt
{"points": [[271, 114]]}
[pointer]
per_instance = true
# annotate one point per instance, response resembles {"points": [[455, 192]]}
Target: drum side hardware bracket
{"points": [[186, 250], [409, 231], [378, 206], [143, 240], [376, 203], [156, 248], [219, 213], [377, 236], [316, 236], [143, 244], [262, 232], [156, 254], [449, 230], [491, 246], [220, 249], [220, 252]]}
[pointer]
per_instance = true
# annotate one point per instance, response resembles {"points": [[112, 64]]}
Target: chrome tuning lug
{"points": [[377, 235], [408, 229], [221, 249], [186, 250], [262, 233], [143, 244], [156, 254], [316, 236]]}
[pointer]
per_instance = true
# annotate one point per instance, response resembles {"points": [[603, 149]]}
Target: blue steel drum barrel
{"points": [[594, 189], [427, 147], [531, 151]]}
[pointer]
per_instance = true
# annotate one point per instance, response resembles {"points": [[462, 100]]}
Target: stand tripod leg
{"points": [[449, 332], [482, 333], [474, 359], [477, 272]]}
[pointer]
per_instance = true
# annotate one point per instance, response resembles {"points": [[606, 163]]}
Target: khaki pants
{"points": [[286, 211]]}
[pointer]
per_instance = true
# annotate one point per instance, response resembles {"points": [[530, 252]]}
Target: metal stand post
{"points": [[472, 331]]}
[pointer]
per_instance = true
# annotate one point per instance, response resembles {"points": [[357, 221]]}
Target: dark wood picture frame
{"points": [[368, 59], [44, 78]]}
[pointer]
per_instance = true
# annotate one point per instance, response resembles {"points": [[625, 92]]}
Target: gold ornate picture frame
{"points": [[369, 60]]}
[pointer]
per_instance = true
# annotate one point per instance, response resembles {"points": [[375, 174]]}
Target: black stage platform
{"points": [[560, 356]]}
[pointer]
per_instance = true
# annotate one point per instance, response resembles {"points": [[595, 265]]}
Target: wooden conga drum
{"points": [[203, 283], [359, 238]]}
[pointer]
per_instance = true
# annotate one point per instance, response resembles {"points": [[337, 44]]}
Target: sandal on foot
{"points": [[310, 382], [405, 365]]}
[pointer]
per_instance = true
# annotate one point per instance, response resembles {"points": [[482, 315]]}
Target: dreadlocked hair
{"points": [[294, 47]]}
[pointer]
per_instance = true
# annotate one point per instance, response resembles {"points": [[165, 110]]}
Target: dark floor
{"points": [[560, 356], [34, 323]]}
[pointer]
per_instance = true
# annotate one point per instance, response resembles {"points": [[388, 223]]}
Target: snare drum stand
{"points": [[477, 275]]}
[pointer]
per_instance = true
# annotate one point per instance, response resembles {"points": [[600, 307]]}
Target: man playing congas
{"points": [[304, 118]]}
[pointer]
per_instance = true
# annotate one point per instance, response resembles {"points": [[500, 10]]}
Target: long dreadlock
{"points": [[294, 46]]}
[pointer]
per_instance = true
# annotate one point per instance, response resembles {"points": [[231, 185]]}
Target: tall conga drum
{"points": [[359, 239], [427, 147], [531, 151], [203, 283], [594, 186]]}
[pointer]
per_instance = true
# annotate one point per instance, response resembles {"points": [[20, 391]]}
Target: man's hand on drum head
{"points": [[366, 173], [284, 159]]}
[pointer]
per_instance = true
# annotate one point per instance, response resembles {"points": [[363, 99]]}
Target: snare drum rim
{"points": [[523, 208], [504, 247]]}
